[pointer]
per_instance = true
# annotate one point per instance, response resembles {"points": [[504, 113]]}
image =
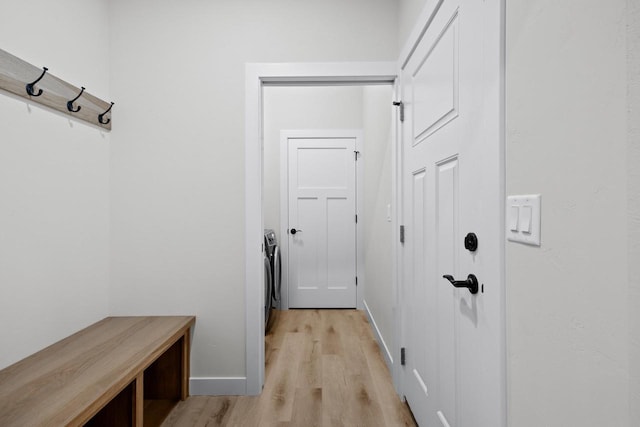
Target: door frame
{"points": [[256, 76], [494, 70], [285, 135]]}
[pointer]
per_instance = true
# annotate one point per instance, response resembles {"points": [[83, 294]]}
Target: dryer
{"points": [[267, 290], [272, 251]]}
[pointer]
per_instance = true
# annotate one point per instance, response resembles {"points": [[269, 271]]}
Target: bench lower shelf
{"points": [[155, 411], [149, 399], [119, 411]]}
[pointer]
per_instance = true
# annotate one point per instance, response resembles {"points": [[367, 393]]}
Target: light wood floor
{"points": [[323, 368]]}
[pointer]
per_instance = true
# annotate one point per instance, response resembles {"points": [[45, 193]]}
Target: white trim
{"points": [[396, 248], [285, 135], [284, 216], [361, 284], [253, 233], [255, 76], [217, 386], [388, 358], [499, 19]]}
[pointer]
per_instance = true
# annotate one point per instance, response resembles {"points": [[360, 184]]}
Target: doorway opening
{"points": [[261, 79]]}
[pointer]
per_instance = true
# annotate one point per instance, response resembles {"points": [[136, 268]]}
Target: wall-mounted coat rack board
{"points": [[38, 85]]}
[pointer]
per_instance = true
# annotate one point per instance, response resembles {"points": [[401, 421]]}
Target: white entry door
{"points": [[321, 229], [454, 339]]}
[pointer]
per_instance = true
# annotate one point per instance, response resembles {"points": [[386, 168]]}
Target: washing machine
{"points": [[272, 251], [267, 290]]}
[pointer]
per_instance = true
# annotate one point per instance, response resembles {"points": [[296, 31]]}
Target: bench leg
{"points": [[186, 344], [138, 401]]}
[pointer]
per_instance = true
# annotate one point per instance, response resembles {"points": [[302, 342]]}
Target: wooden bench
{"points": [[121, 371]]}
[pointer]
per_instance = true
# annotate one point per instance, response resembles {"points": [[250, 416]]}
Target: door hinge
{"points": [[403, 356], [401, 105], [356, 280], [356, 153], [402, 234], [356, 218]]}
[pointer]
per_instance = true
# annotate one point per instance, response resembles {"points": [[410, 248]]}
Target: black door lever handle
{"points": [[471, 283]]}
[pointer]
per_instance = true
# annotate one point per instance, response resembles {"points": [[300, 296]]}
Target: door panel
{"points": [[322, 204], [304, 265], [435, 84], [322, 168], [430, 91], [446, 206], [421, 370], [341, 258]]}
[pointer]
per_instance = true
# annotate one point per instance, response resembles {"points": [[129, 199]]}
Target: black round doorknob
{"points": [[294, 231], [471, 242]]}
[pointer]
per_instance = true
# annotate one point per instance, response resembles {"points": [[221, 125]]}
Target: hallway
{"points": [[323, 368]]}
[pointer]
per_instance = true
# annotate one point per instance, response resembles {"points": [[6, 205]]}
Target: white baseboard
{"points": [[218, 386], [388, 358]]}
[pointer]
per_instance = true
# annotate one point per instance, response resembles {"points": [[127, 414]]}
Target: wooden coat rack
{"points": [[37, 85]]}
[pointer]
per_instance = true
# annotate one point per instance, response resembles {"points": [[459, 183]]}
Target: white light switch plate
{"points": [[523, 219]]}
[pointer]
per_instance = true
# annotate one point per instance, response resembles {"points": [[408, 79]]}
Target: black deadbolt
{"points": [[471, 242]]}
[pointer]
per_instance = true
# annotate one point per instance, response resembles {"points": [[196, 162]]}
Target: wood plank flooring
{"points": [[323, 368]]}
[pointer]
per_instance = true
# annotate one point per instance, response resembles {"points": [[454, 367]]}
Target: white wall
{"points": [[568, 318], [54, 181], [379, 291], [177, 74], [408, 12], [633, 182], [295, 107]]}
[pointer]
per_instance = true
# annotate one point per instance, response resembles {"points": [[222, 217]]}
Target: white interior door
{"points": [[322, 222], [454, 372]]}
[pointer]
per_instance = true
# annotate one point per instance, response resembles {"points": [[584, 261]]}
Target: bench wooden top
{"points": [[72, 379]]}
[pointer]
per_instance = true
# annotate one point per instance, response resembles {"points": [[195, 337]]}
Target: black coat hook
{"points": [[70, 103], [101, 116], [30, 86]]}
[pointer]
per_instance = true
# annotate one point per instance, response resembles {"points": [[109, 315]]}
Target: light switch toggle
{"points": [[514, 218], [525, 219]]}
